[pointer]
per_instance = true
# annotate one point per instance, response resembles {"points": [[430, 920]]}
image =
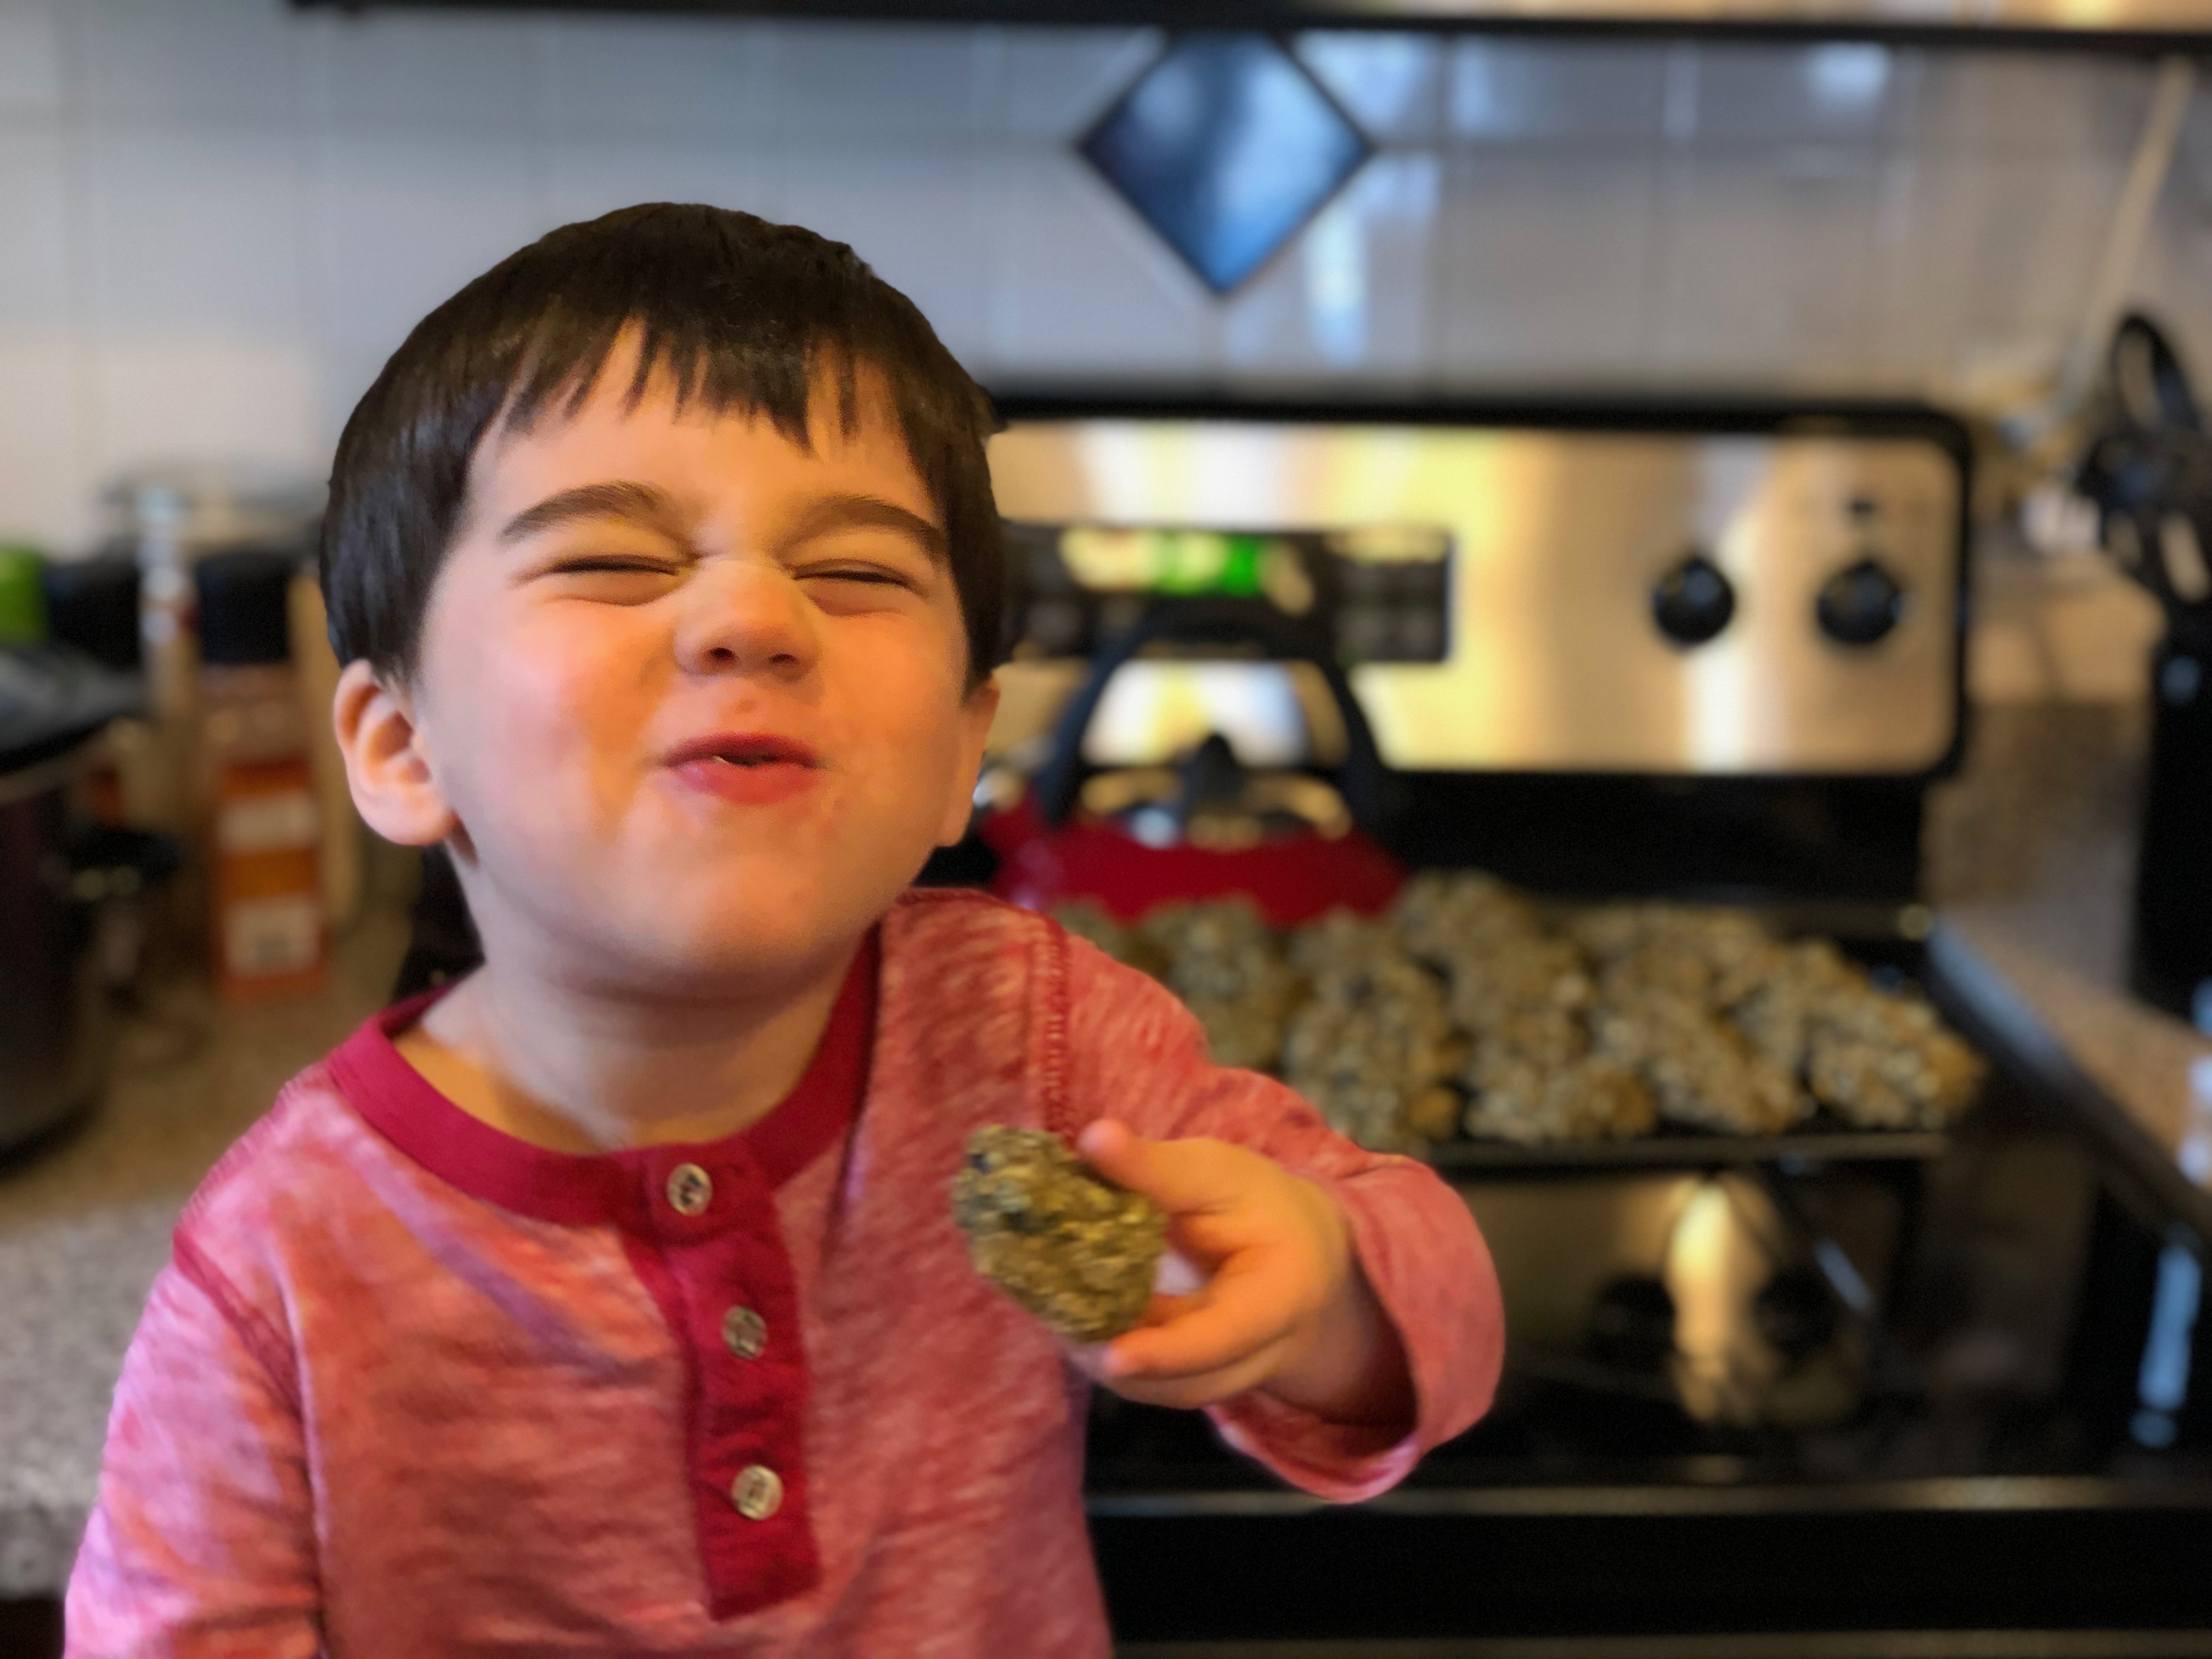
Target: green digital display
{"points": [[1209, 563], [1381, 593]]}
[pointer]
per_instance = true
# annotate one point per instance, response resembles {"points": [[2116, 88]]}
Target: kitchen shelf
{"points": [[2123, 28], [1691, 1151]]}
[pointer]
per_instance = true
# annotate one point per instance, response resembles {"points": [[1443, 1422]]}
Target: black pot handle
{"points": [[2143, 359], [1360, 779], [2151, 463]]}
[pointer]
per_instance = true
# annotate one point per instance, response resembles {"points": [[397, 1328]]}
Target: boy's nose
{"points": [[745, 617]]}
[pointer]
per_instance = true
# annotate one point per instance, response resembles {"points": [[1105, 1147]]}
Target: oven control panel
{"points": [[1374, 594], [1776, 592]]}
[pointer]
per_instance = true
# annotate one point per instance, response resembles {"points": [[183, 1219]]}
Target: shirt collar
{"points": [[607, 1189]]}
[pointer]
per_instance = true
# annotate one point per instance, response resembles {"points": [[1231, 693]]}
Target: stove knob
{"points": [[1693, 601], [1860, 603], [1795, 1313], [1632, 1324]]}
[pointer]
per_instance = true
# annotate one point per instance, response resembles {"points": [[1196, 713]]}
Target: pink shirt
{"points": [[411, 1387]]}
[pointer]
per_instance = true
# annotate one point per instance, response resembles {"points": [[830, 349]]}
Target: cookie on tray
{"points": [[1533, 1104], [1443, 917], [1373, 1047], [1880, 1062], [1704, 1073], [1877, 1059], [1227, 968]]}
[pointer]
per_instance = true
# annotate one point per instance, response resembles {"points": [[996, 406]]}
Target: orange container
{"points": [[267, 929]]}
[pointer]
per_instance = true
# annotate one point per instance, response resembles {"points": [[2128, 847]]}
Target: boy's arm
{"points": [[202, 1543], [1135, 1055]]}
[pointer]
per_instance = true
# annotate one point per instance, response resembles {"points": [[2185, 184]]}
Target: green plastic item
{"points": [[23, 596]]}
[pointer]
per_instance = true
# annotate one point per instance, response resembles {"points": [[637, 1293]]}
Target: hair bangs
{"points": [[726, 311]]}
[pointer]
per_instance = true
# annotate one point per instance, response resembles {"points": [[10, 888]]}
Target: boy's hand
{"points": [[1284, 1306]]}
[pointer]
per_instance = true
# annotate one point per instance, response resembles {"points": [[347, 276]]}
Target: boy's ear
{"points": [[975, 717], [386, 768]]}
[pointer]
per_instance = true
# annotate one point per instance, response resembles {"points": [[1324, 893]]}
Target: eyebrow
{"points": [[846, 511], [621, 498]]}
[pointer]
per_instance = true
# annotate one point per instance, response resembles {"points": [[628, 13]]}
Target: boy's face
{"points": [[695, 696]]}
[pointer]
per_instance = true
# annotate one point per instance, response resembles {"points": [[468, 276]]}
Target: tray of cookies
{"points": [[1474, 1025]]}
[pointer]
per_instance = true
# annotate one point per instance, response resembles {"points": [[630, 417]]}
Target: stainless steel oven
{"points": [[1765, 1392]]}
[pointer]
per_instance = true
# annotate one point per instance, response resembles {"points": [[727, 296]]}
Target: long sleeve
{"points": [[202, 1543], [1134, 1054]]}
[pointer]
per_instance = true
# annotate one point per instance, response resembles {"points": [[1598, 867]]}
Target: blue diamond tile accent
{"points": [[1226, 146]]}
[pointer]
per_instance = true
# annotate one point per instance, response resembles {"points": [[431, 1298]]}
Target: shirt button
{"points": [[691, 1189], [757, 1493], [744, 1332]]}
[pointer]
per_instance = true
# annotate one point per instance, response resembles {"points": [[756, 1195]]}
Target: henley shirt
{"points": [[410, 1387]]}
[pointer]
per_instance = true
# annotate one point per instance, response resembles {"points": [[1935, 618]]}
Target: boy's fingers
{"points": [[1177, 1275], [1090, 1358], [1247, 1307], [1207, 1388], [1179, 1176], [1165, 1308]]}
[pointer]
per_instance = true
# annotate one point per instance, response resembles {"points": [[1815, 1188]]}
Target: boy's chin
{"points": [[739, 943]]}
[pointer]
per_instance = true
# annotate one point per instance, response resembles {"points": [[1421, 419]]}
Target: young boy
{"points": [[610, 1302]]}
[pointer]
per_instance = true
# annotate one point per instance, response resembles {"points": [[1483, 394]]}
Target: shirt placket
{"points": [[712, 1253]]}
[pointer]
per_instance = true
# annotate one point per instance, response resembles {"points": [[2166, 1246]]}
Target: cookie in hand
{"points": [[1071, 1248]]}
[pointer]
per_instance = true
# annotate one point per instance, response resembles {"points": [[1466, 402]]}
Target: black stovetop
{"points": [[1957, 1383]]}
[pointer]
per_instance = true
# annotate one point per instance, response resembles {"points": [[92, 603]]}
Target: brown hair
{"points": [[738, 312]]}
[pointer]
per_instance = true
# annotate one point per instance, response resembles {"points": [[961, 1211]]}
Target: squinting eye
{"points": [[576, 567], [872, 576], [611, 578]]}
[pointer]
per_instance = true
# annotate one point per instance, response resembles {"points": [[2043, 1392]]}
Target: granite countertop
{"points": [[2030, 864], [2029, 860], [85, 1223]]}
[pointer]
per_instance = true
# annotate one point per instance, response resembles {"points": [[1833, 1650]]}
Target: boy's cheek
{"points": [[549, 708]]}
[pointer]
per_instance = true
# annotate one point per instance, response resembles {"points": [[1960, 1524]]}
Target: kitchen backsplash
{"points": [[219, 216]]}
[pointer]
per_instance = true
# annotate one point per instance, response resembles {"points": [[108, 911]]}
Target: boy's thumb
{"points": [[1178, 1175]]}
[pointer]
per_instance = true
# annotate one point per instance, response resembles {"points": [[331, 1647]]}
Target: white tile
{"points": [[1915, 306], [193, 397], [429, 72], [2175, 286], [1897, 355], [227, 59], [1080, 286], [46, 481], [2191, 183], [843, 81], [1839, 91], [35, 274], [1547, 269], [1995, 261], [343, 371], [674, 77], [2016, 103], [589, 176], [1766, 274], [1519, 90], [402, 221], [30, 57], [196, 226], [1392, 84], [1060, 80], [1350, 295], [912, 212]]}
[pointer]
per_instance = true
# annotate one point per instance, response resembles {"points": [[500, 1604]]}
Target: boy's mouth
{"points": [[749, 768]]}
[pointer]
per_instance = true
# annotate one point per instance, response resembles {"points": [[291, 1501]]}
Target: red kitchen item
{"points": [[1290, 881], [1052, 850]]}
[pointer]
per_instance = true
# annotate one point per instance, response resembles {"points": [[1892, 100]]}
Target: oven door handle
{"points": [[1361, 778]]}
